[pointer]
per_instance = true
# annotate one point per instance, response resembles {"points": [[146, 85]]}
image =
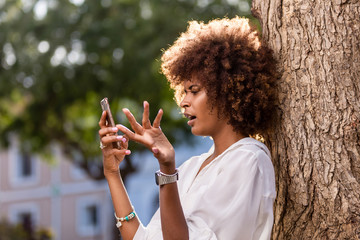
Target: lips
{"points": [[191, 119]]}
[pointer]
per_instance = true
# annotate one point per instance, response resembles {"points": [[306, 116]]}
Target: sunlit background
{"points": [[59, 58]]}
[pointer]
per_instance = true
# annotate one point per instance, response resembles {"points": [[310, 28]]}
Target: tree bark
{"points": [[316, 145]]}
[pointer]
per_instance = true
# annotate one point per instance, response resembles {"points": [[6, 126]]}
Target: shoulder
{"points": [[250, 149], [261, 153], [250, 155], [251, 144], [262, 159]]}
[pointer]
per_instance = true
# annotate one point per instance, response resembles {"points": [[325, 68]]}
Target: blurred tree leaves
{"points": [[10, 231], [59, 58]]}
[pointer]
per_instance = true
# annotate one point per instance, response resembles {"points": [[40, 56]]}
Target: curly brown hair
{"points": [[236, 70]]}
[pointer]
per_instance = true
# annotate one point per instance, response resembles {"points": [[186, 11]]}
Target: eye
{"points": [[195, 90]]}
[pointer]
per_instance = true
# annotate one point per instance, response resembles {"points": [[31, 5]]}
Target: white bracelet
{"points": [[122, 219]]}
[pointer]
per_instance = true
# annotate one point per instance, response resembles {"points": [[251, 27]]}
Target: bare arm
{"points": [[122, 206], [111, 159], [173, 221]]}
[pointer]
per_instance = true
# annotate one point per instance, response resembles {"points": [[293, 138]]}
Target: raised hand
{"points": [[150, 136], [112, 157]]}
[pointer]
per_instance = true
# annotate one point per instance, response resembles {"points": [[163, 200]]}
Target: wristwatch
{"points": [[162, 178]]}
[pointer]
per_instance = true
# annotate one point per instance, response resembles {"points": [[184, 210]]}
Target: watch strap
{"points": [[162, 178]]}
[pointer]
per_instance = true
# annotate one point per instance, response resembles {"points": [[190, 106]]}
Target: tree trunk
{"points": [[316, 145]]}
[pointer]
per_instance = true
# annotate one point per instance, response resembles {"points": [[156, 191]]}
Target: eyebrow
{"points": [[192, 86]]}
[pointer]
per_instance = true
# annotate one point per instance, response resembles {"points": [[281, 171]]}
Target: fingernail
{"points": [[127, 152], [120, 138], [124, 140], [123, 126], [115, 129]]}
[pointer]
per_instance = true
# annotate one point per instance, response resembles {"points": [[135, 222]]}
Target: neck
{"points": [[224, 139]]}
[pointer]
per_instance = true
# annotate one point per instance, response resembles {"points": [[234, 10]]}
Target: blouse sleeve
{"points": [[237, 203]]}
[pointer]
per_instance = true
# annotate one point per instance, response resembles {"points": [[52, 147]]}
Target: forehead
{"points": [[190, 82]]}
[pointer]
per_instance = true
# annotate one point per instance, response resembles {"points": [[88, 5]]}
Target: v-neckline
{"points": [[211, 151]]}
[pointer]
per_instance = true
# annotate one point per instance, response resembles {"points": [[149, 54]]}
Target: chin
{"points": [[197, 132], [194, 132]]}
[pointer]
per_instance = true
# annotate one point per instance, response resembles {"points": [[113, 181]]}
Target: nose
{"points": [[185, 102]]}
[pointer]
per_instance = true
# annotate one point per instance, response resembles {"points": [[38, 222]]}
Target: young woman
{"points": [[224, 81]]}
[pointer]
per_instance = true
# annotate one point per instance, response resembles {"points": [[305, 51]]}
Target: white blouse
{"points": [[231, 198]]}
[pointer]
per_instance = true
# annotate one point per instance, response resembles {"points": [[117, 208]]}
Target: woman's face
{"points": [[203, 119]]}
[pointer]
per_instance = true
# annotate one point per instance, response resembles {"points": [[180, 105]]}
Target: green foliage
{"points": [[10, 231], [60, 58]]}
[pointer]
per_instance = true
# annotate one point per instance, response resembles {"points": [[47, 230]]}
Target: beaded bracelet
{"points": [[127, 218]]}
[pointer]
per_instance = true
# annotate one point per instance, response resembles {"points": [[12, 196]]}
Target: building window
{"points": [[27, 222], [26, 214], [25, 168], [88, 216], [92, 215]]}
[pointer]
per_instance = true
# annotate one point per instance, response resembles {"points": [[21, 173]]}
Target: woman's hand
{"points": [[112, 157], [151, 136]]}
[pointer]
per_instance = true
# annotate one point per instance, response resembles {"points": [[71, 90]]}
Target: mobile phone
{"points": [[109, 118]]}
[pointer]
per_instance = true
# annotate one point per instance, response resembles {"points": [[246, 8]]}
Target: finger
{"points": [[108, 130], [126, 138], [102, 122], [107, 140], [157, 120], [133, 123], [122, 152], [128, 133], [125, 142], [145, 120], [156, 152]]}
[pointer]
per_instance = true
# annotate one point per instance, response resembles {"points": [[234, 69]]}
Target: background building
{"points": [[60, 197], [56, 196]]}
